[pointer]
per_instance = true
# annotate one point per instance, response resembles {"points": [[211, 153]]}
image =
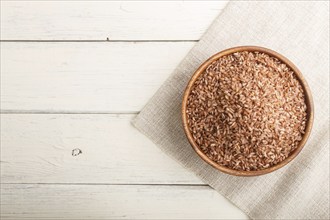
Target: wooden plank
{"points": [[93, 77], [99, 20], [37, 148], [114, 202]]}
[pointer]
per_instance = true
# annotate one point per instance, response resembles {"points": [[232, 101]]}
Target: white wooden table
{"points": [[73, 75]]}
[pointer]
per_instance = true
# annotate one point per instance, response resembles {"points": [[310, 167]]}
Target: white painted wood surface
{"points": [[116, 20], [120, 202], [63, 86], [85, 76], [37, 149]]}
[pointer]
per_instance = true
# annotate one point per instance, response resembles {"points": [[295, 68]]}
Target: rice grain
{"points": [[247, 111]]}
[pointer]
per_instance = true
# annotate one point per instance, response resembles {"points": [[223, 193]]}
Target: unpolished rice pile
{"points": [[247, 111]]}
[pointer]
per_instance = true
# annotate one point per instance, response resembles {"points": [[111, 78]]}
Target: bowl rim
{"points": [[307, 96]]}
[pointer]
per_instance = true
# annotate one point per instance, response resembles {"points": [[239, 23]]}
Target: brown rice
{"points": [[247, 111]]}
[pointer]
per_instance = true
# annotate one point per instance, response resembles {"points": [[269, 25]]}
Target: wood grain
{"points": [[110, 57], [37, 148], [99, 20], [88, 77], [31, 201]]}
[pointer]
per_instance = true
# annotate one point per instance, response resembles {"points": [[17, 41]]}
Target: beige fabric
{"points": [[299, 31]]}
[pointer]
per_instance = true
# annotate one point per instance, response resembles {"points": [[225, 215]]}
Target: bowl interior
{"points": [[308, 101]]}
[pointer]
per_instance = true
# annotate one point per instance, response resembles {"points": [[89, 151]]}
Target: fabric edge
{"points": [[135, 124]]}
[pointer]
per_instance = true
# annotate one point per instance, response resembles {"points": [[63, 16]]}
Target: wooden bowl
{"points": [[308, 101]]}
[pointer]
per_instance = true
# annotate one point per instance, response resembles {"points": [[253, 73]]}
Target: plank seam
{"points": [[112, 184], [96, 41], [41, 112]]}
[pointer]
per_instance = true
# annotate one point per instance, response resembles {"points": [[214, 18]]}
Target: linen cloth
{"points": [[297, 30]]}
